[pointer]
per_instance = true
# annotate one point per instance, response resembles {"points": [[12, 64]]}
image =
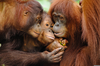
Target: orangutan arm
{"points": [[14, 57]]}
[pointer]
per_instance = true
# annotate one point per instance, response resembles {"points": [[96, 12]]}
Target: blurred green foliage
{"points": [[3, 65], [46, 4], [77, 1]]}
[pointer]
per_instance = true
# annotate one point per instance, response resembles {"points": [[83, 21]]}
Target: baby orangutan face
{"points": [[46, 35]]}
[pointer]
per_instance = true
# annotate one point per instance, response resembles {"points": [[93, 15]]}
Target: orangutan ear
{"points": [[22, 1]]}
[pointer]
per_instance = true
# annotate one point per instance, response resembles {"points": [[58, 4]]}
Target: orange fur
{"points": [[91, 27]]}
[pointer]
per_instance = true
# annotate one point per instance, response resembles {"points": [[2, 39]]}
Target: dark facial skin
{"points": [[59, 28]]}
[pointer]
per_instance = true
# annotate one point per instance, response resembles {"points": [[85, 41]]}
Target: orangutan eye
{"points": [[47, 24], [51, 26], [61, 17], [25, 13], [38, 20], [55, 16]]}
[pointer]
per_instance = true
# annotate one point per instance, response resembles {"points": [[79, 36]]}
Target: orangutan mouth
{"points": [[58, 33], [51, 37], [36, 33]]}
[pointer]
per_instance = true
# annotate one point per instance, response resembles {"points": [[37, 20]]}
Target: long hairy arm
{"points": [[19, 58]]}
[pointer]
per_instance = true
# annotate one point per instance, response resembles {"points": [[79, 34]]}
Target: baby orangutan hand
{"points": [[58, 43]]}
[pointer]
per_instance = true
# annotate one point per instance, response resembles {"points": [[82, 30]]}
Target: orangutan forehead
{"points": [[45, 15], [63, 6], [58, 10], [35, 6], [32, 6]]}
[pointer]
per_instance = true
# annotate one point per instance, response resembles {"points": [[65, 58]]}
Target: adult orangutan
{"points": [[83, 47], [17, 19]]}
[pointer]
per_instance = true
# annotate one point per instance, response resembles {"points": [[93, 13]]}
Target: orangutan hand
{"points": [[58, 43], [52, 57]]}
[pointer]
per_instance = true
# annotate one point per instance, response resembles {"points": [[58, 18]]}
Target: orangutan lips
{"points": [[51, 37]]}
